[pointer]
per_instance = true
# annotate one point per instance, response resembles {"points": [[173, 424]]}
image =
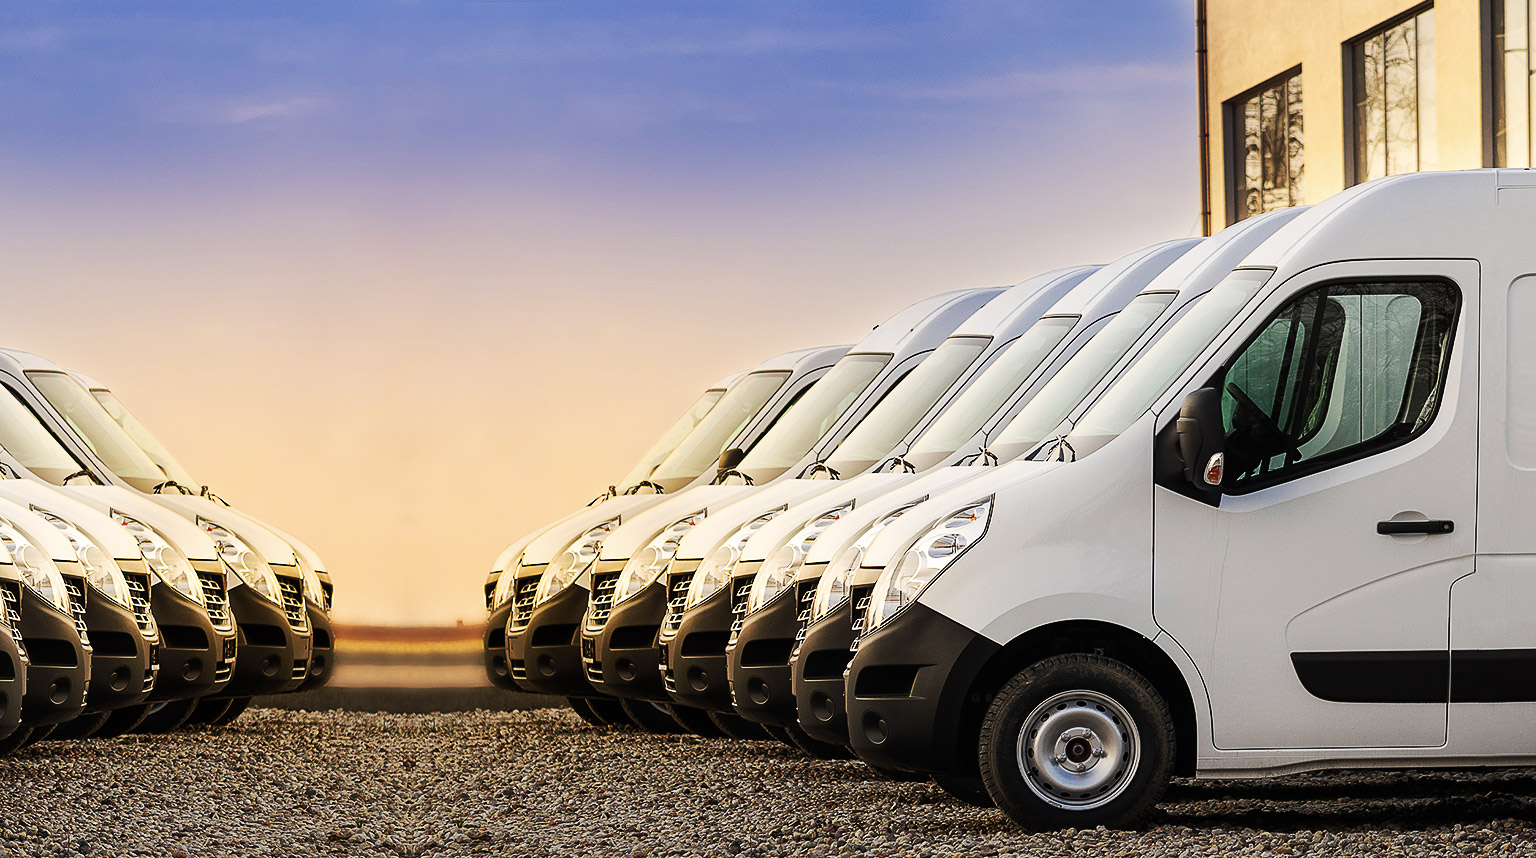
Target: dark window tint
{"points": [[1267, 158]]}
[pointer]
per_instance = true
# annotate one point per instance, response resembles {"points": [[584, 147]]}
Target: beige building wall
{"points": [[1249, 42]]}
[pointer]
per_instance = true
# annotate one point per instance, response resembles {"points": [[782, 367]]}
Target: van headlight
{"points": [[646, 566], [577, 558], [37, 568], [238, 556], [836, 584], [100, 569], [716, 570], [934, 551], [163, 558], [778, 573], [313, 589], [505, 580]]}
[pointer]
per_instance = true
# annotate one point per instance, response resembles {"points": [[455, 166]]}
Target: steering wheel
{"points": [[1268, 423]]}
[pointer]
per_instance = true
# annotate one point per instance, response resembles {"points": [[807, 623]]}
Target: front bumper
{"points": [[495, 652], [758, 658], [196, 657], [693, 655], [549, 648], [621, 658], [60, 668], [272, 657], [13, 659], [322, 652], [818, 666], [908, 693], [124, 647]]}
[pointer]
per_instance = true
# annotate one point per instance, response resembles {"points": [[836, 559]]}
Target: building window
{"points": [[1265, 146], [1512, 83], [1394, 95]]}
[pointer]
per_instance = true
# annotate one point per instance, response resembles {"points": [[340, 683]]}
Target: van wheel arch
{"points": [[1089, 637]]}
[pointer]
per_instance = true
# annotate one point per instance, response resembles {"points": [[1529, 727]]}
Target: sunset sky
{"points": [[410, 279]]}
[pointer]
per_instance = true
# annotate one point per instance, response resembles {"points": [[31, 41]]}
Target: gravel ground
{"points": [[541, 783]]}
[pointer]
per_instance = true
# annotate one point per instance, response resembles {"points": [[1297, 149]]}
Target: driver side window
{"points": [[1341, 371]]}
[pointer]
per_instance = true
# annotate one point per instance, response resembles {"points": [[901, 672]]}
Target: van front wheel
{"points": [[1077, 741]]}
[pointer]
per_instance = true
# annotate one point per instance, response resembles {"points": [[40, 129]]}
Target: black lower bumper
{"points": [[270, 653], [550, 647], [13, 680], [758, 659], [495, 649], [123, 655], [621, 658], [60, 668], [196, 659], [693, 657], [907, 692], [818, 667], [322, 649]]}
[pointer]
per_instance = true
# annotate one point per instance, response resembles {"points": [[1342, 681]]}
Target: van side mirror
{"points": [[1202, 438], [729, 460]]}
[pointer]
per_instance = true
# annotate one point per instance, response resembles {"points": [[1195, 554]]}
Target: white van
{"points": [[1291, 537], [748, 408], [831, 585], [547, 646]]}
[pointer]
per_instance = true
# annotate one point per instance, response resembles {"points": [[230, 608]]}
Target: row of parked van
{"points": [[132, 597], [1226, 507]]}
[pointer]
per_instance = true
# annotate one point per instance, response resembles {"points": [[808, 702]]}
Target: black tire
{"points": [[970, 791], [15, 742], [584, 711], [1101, 711], [779, 734], [83, 727], [122, 721], [237, 707], [734, 726], [209, 711], [608, 711], [39, 734], [815, 747], [693, 720], [898, 775], [648, 717], [168, 718]]}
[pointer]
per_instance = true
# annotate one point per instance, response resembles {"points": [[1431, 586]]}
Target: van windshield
{"points": [[1137, 390], [98, 430], [882, 429], [991, 390], [1078, 376], [141, 436], [25, 437], [670, 438], [798, 429], [700, 450]]}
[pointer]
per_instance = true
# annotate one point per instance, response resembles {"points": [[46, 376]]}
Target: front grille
{"points": [[490, 596], [739, 605], [805, 595], [10, 598], [292, 590], [138, 599], [677, 598], [668, 678], [519, 670], [75, 587], [589, 660], [522, 603], [215, 599], [154, 668], [600, 605], [224, 669], [301, 669], [860, 598]]}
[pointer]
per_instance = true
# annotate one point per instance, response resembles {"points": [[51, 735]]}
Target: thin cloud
{"points": [[34, 40], [1062, 81], [292, 108]]}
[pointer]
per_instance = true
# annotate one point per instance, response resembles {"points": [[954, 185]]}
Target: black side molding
{"points": [[1419, 676]]}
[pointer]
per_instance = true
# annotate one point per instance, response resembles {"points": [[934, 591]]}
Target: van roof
{"points": [[1019, 306]]}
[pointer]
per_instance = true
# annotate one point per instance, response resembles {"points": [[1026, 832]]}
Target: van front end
{"points": [[198, 640], [494, 639], [274, 636], [14, 662], [548, 646], [59, 653], [758, 657], [125, 640], [692, 657], [618, 638]]}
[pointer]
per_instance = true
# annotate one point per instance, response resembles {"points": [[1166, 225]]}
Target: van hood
{"points": [[35, 528], [628, 540], [944, 501], [108, 534], [555, 538], [268, 545], [186, 536], [302, 549]]}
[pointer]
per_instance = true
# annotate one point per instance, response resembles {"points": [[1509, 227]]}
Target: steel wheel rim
{"points": [[1078, 750]]}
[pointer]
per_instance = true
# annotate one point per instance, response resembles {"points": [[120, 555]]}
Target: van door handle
{"points": [[1398, 528]]}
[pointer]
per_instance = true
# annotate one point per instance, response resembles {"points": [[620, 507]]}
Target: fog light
{"points": [[118, 680], [269, 665], [626, 670], [821, 706], [546, 665], [58, 692], [875, 728], [193, 668], [698, 680], [757, 690], [499, 665]]}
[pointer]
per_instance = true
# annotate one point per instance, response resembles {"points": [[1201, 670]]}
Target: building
{"points": [[1300, 99]]}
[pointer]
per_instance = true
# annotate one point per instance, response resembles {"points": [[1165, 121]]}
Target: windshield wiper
{"points": [[83, 472], [171, 484], [208, 493], [1058, 447], [906, 466], [820, 467], [635, 489]]}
